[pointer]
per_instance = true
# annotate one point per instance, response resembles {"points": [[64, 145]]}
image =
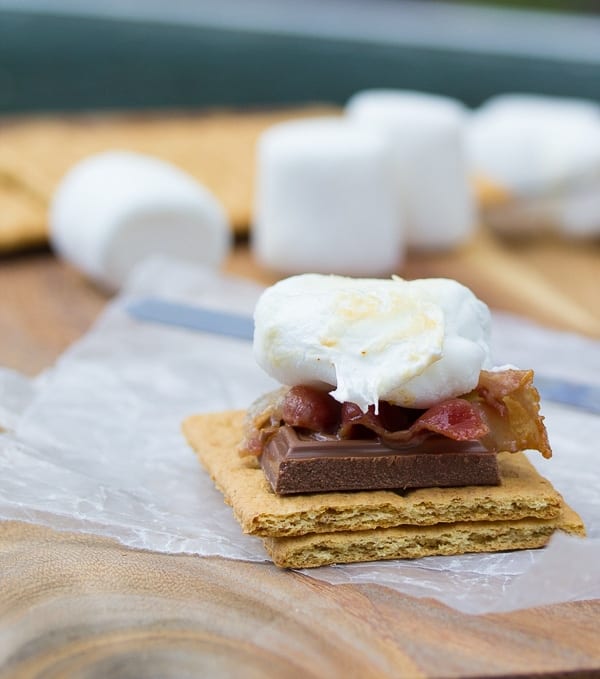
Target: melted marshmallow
{"points": [[413, 343]]}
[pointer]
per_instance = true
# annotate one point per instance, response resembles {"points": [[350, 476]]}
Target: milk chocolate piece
{"points": [[299, 463]]}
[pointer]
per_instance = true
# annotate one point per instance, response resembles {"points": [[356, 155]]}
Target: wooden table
{"points": [[74, 605]]}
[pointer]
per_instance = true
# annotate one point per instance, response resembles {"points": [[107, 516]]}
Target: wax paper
{"points": [[94, 444]]}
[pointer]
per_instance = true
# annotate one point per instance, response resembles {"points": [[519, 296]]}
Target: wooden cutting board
{"points": [[75, 606]]}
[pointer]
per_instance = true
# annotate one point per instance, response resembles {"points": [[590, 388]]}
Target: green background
{"points": [[71, 63]]}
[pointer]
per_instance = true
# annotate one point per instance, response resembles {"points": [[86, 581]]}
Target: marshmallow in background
{"points": [[526, 104], [543, 153], [531, 145], [426, 136], [114, 209], [324, 201]]}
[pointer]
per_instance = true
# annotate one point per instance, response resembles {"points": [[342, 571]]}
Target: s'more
{"points": [[392, 435]]}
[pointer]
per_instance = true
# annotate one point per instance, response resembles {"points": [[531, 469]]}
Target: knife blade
{"points": [[575, 394], [191, 317]]}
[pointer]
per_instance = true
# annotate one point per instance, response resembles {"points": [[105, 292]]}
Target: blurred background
{"points": [[196, 83], [92, 54]]}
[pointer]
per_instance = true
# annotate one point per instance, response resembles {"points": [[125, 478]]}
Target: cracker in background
{"points": [[216, 148], [215, 437], [413, 542], [22, 218]]}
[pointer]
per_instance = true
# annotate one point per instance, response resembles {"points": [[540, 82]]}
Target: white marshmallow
{"points": [[545, 151], [114, 209], [426, 135], [413, 343], [579, 210], [526, 104], [324, 200], [534, 146]]}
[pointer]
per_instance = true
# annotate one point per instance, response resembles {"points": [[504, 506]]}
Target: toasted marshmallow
{"points": [[412, 343]]}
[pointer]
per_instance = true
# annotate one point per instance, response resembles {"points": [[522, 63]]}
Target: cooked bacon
{"points": [[496, 384], [511, 405], [455, 419], [389, 418], [311, 409], [263, 419], [502, 412]]}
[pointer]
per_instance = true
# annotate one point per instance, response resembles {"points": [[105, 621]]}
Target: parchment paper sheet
{"points": [[94, 445]]}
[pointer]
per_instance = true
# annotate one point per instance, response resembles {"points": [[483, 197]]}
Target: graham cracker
{"points": [[217, 148], [22, 218], [523, 493], [413, 542]]}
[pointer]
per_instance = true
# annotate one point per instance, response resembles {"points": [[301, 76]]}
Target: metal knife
{"points": [[192, 317], [575, 394]]}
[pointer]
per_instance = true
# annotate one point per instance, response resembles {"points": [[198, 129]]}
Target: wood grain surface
{"points": [[74, 605]]}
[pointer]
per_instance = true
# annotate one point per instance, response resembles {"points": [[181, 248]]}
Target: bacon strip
{"points": [[312, 409], [390, 418], [263, 419], [502, 412], [455, 419], [511, 405]]}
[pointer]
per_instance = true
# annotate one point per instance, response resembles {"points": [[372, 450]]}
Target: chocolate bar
{"points": [[294, 462]]}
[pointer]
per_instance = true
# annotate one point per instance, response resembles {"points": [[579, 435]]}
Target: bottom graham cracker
{"points": [[413, 542]]}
